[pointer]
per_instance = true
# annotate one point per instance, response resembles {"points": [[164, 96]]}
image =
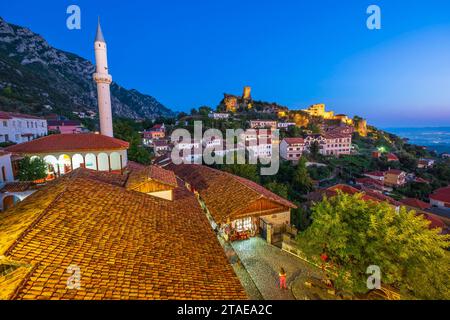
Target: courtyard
{"points": [[263, 262]]}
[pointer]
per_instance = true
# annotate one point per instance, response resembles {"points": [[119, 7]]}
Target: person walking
{"points": [[283, 277]]}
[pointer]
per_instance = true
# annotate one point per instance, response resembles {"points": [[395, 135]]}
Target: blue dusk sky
{"points": [[187, 53]]}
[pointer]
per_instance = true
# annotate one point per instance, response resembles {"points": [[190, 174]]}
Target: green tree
{"points": [[278, 188], [204, 110], [7, 92], [301, 180], [139, 154], [127, 130], [32, 169], [314, 150], [356, 234]]}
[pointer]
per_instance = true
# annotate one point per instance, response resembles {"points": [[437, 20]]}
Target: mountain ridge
{"points": [[38, 78]]}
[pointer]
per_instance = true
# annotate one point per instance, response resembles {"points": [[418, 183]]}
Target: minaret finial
{"points": [[99, 37]]}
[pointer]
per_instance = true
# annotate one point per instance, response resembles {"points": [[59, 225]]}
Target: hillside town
{"points": [[109, 201]]}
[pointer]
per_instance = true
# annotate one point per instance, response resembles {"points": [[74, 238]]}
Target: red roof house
{"points": [[441, 198]]}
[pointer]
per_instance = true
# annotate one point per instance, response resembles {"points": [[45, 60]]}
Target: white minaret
{"points": [[103, 79]]}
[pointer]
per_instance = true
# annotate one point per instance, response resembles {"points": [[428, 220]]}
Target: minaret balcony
{"points": [[102, 78]]}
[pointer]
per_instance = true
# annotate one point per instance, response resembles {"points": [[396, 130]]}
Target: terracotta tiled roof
{"points": [[62, 123], [367, 194], [392, 157], [127, 245], [225, 194], [10, 115], [442, 194], [100, 176], [394, 172], [294, 141], [69, 143], [375, 174], [4, 153], [435, 222], [132, 166], [415, 203], [155, 173], [17, 186], [369, 181], [336, 135]]}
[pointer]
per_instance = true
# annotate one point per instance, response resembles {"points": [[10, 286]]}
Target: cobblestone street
{"points": [[263, 262]]}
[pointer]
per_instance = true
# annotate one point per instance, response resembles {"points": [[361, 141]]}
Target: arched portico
{"points": [[77, 161], [60, 164], [115, 161], [103, 162], [91, 161], [65, 164]]}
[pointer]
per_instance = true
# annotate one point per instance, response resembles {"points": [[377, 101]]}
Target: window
{"points": [[244, 224], [5, 123]]}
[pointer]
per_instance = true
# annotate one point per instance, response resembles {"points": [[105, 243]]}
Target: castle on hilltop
{"points": [[234, 103], [245, 103], [319, 111]]}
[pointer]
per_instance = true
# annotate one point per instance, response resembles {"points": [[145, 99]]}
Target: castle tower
{"points": [[103, 80], [247, 95]]}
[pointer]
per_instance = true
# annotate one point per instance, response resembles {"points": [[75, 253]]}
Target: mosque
{"points": [[101, 152]]}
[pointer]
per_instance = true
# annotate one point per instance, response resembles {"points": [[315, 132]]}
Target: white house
{"points": [[18, 128], [6, 171], [291, 149]]}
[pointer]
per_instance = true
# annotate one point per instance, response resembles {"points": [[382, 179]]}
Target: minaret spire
{"points": [[99, 36], [104, 80]]}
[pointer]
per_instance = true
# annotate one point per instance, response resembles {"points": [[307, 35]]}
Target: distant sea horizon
{"points": [[434, 138]]}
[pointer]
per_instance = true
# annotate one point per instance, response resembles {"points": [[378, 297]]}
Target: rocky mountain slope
{"points": [[37, 78]]}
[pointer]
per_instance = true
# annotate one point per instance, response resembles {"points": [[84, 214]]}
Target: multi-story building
{"points": [[318, 110], [330, 144], [394, 178], [65, 126], [18, 128], [291, 149], [337, 144], [150, 136], [259, 142], [426, 163]]}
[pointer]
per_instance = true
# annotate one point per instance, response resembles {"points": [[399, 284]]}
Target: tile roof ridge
{"points": [[35, 222]]}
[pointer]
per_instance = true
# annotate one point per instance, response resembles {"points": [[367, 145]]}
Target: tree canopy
{"points": [[356, 234], [32, 169]]}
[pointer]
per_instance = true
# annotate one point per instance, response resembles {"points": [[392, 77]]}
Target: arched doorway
{"points": [[10, 201], [65, 164], [52, 164], [103, 162], [91, 161], [116, 163], [77, 161]]}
